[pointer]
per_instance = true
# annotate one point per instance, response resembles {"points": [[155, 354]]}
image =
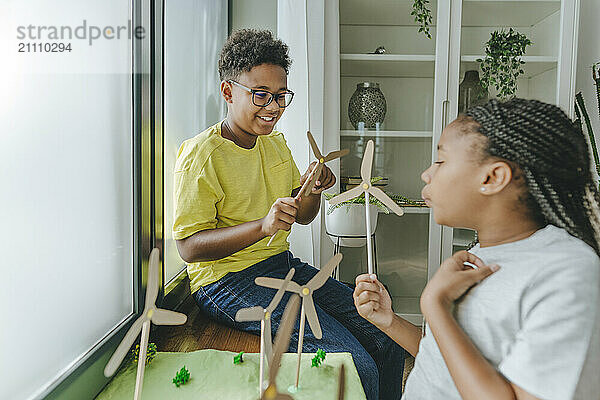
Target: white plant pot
{"points": [[349, 220]]}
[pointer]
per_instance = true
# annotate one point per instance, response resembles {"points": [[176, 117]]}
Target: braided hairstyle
{"points": [[541, 144]]}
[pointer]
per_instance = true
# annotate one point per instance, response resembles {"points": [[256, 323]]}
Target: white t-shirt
{"points": [[536, 320]]}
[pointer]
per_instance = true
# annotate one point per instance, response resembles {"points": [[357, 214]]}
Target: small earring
{"points": [[482, 189]]}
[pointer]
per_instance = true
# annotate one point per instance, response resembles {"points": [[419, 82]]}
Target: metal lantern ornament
{"points": [[367, 105]]}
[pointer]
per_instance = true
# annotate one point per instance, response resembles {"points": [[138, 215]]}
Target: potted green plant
{"points": [[423, 17], [502, 64], [348, 218]]}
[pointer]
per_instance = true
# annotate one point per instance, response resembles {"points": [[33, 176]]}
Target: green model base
{"points": [[214, 376]]}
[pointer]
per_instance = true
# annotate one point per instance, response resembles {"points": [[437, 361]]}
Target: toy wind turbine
{"points": [[264, 316], [151, 314], [368, 189], [308, 305], [321, 160], [310, 182], [282, 341]]}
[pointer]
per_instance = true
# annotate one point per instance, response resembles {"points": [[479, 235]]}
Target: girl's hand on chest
{"points": [[453, 279]]}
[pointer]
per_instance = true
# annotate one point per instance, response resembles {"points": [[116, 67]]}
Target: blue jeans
{"points": [[378, 359]]}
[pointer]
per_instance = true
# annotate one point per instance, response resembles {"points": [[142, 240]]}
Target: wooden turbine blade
{"points": [[347, 195], [311, 316], [276, 283], [313, 146], [367, 163], [160, 316], [336, 154], [280, 292], [117, 358], [385, 199], [255, 313], [324, 273]]}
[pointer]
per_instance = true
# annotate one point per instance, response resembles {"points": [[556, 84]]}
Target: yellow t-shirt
{"points": [[219, 184]]}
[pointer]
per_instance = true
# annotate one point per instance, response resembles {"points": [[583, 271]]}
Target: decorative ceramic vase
{"points": [[349, 220], [470, 92], [367, 105]]}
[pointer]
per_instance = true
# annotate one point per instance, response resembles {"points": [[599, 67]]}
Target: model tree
{"points": [[181, 377]]}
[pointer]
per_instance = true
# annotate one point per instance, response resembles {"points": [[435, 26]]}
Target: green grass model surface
{"points": [[215, 377]]}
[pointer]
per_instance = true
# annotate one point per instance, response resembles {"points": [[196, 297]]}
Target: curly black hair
{"points": [[551, 152], [247, 48]]}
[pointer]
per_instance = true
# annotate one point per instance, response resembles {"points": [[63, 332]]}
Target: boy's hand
{"points": [[372, 301], [325, 181], [281, 216], [453, 279]]}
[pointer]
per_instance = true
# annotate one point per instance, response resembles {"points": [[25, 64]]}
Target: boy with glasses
{"points": [[234, 188]]}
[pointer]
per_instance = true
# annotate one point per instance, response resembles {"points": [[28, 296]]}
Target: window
{"points": [[69, 176], [67, 212]]}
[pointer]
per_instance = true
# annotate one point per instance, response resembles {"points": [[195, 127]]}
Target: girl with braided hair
{"points": [[518, 315]]}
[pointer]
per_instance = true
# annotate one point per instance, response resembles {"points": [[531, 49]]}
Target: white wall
{"points": [[192, 97], [259, 14], [292, 16], [588, 54]]}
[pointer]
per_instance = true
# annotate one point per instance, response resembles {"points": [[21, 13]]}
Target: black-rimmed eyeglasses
{"points": [[263, 98]]}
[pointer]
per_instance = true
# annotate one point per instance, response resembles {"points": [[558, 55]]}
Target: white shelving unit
{"points": [[420, 78], [382, 58], [406, 77], [416, 210], [388, 134]]}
